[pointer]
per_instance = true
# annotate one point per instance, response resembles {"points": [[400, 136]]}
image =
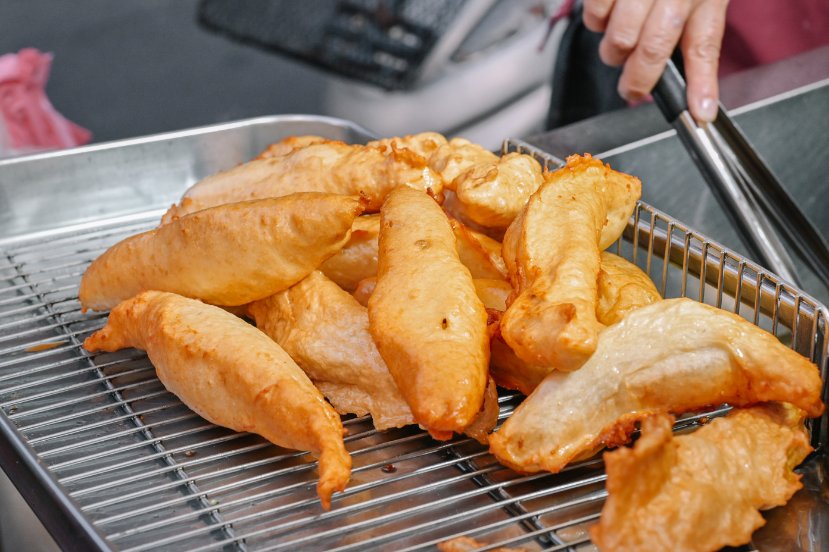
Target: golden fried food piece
{"points": [[358, 259], [331, 167], [479, 253], [459, 155], [552, 253], [492, 195], [424, 144], [231, 374], [490, 190], [424, 315], [468, 544], [673, 356], [623, 287], [365, 288], [325, 330], [228, 255], [290, 144], [702, 491]]}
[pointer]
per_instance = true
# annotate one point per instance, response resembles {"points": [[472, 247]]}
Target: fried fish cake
{"points": [[325, 330], [675, 356], [428, 323], [228, 255], [552, 251], [231, 374], [701, 491], [330, 167]]}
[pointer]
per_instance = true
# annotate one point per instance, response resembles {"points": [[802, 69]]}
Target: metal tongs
{"points": [[760, 208]]}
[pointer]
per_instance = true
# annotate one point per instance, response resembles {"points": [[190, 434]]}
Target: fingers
{"points": [[596, 13], [701, 43], [623, 30], [659, 36]]}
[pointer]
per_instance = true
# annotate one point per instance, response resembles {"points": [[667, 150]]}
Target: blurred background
{"points": [[123, 69]]}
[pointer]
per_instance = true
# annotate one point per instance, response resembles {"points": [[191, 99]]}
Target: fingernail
{"points": [[707, 109]]}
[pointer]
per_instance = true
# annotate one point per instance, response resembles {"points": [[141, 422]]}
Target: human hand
{"points": [[642, 35]]}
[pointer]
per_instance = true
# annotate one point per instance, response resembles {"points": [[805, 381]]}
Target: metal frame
{"points": [[110, 460]]}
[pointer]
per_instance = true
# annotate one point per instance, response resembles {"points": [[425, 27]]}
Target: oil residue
{"points": [[45, 346]]}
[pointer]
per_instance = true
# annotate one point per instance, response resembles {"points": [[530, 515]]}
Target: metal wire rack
{"points": [[136, 470]]}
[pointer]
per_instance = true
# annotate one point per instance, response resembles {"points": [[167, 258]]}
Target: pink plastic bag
{"points": [[28, 122]]}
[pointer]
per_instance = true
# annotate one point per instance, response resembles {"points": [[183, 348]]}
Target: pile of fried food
{"points": [[478, 270]]}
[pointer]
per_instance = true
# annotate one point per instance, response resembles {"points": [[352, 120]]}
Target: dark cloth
{"points": [[582, 85]]}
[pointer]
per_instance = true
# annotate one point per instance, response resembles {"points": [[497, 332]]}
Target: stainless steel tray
{"points": [[109, 459]]}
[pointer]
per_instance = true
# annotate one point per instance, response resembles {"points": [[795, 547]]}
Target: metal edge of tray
{"points": [[299, 119], [59, 189]]}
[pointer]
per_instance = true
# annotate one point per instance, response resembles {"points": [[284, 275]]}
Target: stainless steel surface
{"points": [[143, 472], [788, 131], [755, 229]]}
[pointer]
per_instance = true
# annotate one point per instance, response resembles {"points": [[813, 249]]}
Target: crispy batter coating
{"points": [[332, 167], [425, 144], [702, 491], [358, 259], [424, 315], [673, 356], [479, 253], [623, 287], [490, 190], [325, 330], [289, 144], [365, 288], [552, 253], [252, 385], [228, 255]]}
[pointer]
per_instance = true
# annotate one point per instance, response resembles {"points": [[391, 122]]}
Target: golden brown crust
{"points": [[490, 190], [623, 287], [552, 253], [424, 315], [329, 167], [228, 255], [357, 260], [325, 330], [702, 491], [674, 356], [289, 144], [252, 386], [424, 144]]}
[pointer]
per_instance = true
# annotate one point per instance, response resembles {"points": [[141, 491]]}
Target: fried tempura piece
{"points": [[479, 253], [490, 190], [702, 491], [325, 330], [623, 287], [358, 259], [552, 253], [424, 315], [425, 144], [231, 374], [289, 144], [673, 356], [332, 167], [228, 255]]}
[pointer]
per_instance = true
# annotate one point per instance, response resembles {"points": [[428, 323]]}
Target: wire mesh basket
{"points": [[134, 469]]}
